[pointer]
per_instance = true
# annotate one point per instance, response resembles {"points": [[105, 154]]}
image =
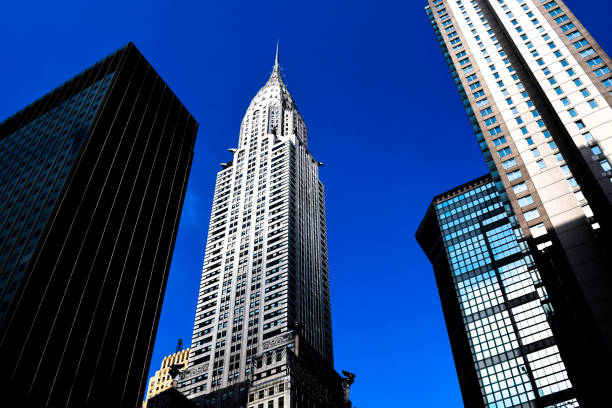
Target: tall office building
{"points": [[537, 90], [92, 182], [263, 313], [495, 306], [163, 380]]}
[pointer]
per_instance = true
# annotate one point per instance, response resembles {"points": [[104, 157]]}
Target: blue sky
{"points": [[382, 115]]}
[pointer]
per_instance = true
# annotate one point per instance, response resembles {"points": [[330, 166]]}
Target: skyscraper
{"points": [[496, 308], [162, 380], [537, 90], [263, 304], [93, 177]]}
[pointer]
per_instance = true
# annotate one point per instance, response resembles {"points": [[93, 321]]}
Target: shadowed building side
{"points": [[99, 169]]}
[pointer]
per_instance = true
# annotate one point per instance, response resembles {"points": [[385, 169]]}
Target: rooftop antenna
{"points": [[179, 345]]}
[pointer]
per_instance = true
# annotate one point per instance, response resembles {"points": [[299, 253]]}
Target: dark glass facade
{"points": [[496, 307], [92, 181], [35, 162]]}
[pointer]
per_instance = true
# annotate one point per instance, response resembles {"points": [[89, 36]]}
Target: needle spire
{"points": [[276, 66]]}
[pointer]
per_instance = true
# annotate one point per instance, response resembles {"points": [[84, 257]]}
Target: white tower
{"points": [[265, 270]]}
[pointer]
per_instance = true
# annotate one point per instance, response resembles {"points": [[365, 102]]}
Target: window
{"points": [[518, 188], [572, 182], [577, 82], [572, 112], [486, 111], [580, 43], [478, 94], [541, 164], [585, 92], [524, 201], [605, 165], [537, 230], [529, 141], [607, 82], [513, 175], [593, 104], [602, 71], [491, 121], [531, 215], [535, 152], [482, 103], [499, 141], [596, 150], [504, 152], [579, 124], [550, 5], [587, 136], [558, 90], [573, 35], [587, 52], [495, 131], [509, 163], [594, 61], [552, 145], [565, 101], [555, 12], [468, 70], [524, 130]]}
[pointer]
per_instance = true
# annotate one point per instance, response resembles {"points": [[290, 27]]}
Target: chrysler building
{"points": [[263, 313]]}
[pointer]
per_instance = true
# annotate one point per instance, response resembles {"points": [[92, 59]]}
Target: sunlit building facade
{"points": [[537, 90], [163, 379], [263, 318]]}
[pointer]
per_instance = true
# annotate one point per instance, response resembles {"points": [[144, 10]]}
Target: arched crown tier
{"points": [[272, 112]]}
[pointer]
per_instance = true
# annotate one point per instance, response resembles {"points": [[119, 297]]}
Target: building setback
{"points": [[263, 319], [93, 178], [538, 92]]}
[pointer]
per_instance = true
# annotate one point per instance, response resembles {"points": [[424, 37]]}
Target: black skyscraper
{"points": [[92, 181]]}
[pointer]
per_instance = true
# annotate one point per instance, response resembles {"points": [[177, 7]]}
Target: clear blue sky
{"points": [[382, 115]]}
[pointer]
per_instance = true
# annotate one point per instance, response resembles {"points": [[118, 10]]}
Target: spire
{"points": [[276, 66]]}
